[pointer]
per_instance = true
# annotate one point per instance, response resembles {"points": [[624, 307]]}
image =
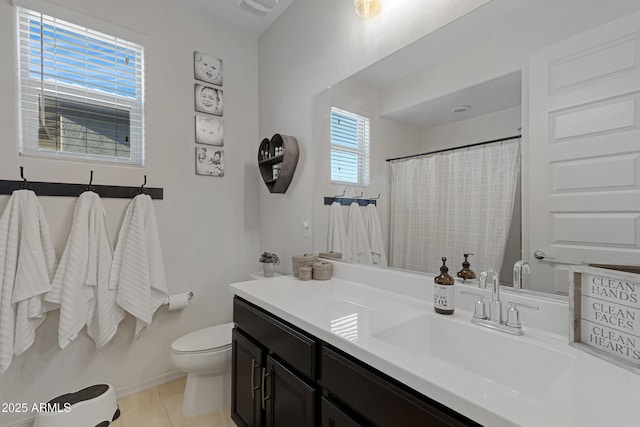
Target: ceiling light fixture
{"points": [[367, 8]]}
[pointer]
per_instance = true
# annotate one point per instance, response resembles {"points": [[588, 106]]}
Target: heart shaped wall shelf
{"points": [[277, 161]]}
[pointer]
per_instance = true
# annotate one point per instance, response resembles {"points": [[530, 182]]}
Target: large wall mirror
{"points": [[468, 197]]}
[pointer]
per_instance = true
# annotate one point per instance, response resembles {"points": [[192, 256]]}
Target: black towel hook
{"points": [[375, 198], [90, 186], [340, 196], [361, 194], [142, 186], [25, 184]]}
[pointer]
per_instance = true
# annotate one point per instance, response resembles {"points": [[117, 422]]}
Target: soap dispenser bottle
{"points": [[443, 290], [466, 273]]}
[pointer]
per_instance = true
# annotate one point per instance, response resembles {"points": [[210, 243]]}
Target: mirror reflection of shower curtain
{"points": [[453, 203]]}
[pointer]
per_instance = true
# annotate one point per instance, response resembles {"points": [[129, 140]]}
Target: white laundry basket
{"points": [[94, 406]]}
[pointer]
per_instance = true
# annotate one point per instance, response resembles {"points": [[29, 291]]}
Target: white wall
{"points": [[387, 139], [487, 127], [208, 226], [312, 45]]}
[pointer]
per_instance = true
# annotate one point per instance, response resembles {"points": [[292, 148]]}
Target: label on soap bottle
{"points": [[443, 297]]}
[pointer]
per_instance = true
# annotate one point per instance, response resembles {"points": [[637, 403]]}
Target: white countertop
{"points": [[547, 383]]}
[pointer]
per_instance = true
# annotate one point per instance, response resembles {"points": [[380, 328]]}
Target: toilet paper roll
{"points": [[178, 301]]}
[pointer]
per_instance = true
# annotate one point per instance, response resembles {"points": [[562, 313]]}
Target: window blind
{"points": [[349, 148], [81, 91]]}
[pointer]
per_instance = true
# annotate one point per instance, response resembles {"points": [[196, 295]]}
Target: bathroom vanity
{"points": [[281, 373], [342, 353]]}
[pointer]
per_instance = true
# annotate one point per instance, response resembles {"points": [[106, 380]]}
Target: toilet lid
{"points": [[210, 338]]}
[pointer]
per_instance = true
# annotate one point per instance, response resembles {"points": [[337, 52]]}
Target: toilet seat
{"points": [[204, 340]]}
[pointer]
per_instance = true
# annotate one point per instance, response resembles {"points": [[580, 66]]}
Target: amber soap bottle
{"points": [[443, 290], [466, 273]]}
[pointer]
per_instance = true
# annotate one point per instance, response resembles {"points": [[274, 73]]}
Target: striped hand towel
{"points": [[360, 249], [374, 234], [337, 240], [138, 269], [81, 284], [27, 264]]}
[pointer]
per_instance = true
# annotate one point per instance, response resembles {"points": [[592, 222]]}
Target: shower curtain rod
{"points": [[455, 148]]}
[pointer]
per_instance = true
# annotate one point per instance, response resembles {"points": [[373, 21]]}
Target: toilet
{"points": [[205, 355]]}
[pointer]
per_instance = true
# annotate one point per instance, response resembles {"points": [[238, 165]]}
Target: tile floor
{"points": [[161, 407]]}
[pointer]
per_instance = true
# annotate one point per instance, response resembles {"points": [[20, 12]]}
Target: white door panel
{"points": [[599, 90], [593, 64], [611, 116], [584, 152], [603, 173]]}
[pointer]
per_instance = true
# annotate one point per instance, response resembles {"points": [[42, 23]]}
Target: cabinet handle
{"points": [[264, 398], [253, 385]]}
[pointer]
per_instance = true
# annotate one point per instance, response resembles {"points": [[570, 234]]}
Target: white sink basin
{"points": [[514, 362]]}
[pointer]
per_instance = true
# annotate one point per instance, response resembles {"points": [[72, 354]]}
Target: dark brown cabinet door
{"points": [[289, 401], [332, 416], [247, 364]]}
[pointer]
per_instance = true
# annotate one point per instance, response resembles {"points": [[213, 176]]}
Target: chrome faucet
{"points": [[519, 268], [494, 320], [495, 306]]}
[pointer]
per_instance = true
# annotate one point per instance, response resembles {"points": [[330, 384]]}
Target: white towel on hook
{"points": [[337, 240], [81, 284], [27, 265], [357, 235], [374, 235], [138, 269]]}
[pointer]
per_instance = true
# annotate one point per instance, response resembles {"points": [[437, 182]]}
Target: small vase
{"points": [[268, 268]]}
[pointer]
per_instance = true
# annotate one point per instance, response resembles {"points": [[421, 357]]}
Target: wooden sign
{"points": [[605, 304]]}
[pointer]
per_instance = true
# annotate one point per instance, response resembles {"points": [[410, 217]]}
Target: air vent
{"points": [[461, 109], [258, 7]]}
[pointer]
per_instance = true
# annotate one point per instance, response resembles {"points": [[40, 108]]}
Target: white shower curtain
{"points": [[453, 203]]}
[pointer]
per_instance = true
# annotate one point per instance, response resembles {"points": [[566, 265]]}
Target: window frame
{"points": [[36, 89], [362, 151]]}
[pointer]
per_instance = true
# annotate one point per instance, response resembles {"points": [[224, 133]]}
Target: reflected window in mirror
{"points": [[349, 148]]}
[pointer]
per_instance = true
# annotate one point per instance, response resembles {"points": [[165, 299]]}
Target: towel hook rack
{"points": [[56, 189], [346, 201]]}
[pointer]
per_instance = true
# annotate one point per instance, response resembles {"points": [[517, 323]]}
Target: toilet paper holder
{"points": [[189, 296]]}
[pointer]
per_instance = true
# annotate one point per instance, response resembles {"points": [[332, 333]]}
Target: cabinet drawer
{"points": [[377, 398], [299, 350]]}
